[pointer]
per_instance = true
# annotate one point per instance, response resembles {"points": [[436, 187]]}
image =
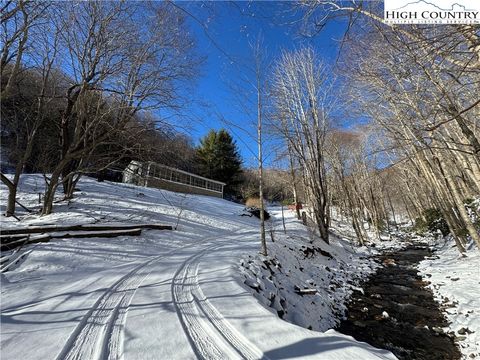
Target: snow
{"points": [[306, 283], [162, 295], [455, 281]]}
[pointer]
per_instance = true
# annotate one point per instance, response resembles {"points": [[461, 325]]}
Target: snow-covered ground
{"points": [[455, 281], [162, 295], [306, 283]]}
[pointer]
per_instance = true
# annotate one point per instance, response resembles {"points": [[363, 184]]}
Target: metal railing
{"points": [[167, 173]]}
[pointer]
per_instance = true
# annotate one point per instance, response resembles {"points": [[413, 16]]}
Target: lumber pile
{"points": [[86, 227], [13, 238]]}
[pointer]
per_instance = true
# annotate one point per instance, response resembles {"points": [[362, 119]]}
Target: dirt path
{"points": [[396, 311]]}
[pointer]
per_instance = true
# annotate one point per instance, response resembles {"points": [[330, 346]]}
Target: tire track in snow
{"points": [[209, 333], [100, 333], [92, 337]]}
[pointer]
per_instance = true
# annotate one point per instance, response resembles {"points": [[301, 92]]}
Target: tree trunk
{"points": [[389, 199], [466, 131], [12, 195], [472, 231], [52, 188], [260, 169], [72, 184], [294, 180]]}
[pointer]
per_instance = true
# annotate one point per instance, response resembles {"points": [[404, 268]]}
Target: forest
{"points": [[82, 84], [239, 180]]}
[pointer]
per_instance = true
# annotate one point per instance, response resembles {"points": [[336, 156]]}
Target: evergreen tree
{"points": [[218, 158]]}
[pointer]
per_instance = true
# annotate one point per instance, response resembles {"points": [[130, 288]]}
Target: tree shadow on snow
{"points": [[313, 346]]}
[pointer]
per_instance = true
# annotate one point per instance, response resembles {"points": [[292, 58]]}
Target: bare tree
{"points": [[259, 88], [118, 67], [301, 93], [251, 98], [26, 95], [341, 149], [17, 21], [415, 102]]}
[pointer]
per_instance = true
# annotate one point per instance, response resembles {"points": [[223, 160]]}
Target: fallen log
{"points": [[304, 291], [94, 234], [29, 239], [5, 259], [4, 239], [13, 259], [85, 227], [26, 240]]}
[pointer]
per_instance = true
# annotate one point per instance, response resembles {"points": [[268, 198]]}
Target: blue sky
{"points": [[224, 32]]}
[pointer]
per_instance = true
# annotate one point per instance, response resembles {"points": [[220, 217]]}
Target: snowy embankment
{"points": [[304, 282], [163, 294], [455, 281]]}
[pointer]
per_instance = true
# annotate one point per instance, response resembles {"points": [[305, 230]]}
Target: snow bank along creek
{"points": [[397, 312]]}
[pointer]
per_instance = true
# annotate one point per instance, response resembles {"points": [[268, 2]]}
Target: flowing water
{"points": [[397, 312]]}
